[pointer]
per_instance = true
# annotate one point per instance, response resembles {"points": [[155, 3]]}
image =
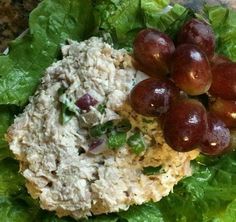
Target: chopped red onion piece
{"points": [[98, 146], [86, 101]]}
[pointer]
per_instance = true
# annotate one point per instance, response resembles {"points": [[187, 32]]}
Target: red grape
{"points": [[191, 70], [185, 124], [217, 138], [154, 49], [198, 33], [152, 97], [86, 101], [219, 59], [224, 81], [225, 110]]}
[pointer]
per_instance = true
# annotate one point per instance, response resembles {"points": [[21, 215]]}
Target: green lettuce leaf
{"points": [[51, 23], [124, 19], [145, 213], [207, 195], [168, 20], [103, 218], [11, 182], [44, 216], [6, 118], [121, 19], [13, 210], [223, 21]]}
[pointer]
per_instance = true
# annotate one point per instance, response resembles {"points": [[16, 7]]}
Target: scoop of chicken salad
{"points": [[83, 150]]}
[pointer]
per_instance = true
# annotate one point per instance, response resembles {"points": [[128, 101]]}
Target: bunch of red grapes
{"points": [[182, 74]]}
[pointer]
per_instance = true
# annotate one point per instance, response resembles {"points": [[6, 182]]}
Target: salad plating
{"points": [[222, 36]]}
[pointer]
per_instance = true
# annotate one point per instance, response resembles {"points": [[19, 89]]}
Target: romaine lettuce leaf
{"points": [[44, 216], [11, 182], [121, 19], [124, 19], [148, 212], [103, 218], [168, 19], [12, 210], [51, 23], [6, 118], [207, 195], [223, 21]]}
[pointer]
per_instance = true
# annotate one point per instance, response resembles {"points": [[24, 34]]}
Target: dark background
{"points": [[14, 15]]}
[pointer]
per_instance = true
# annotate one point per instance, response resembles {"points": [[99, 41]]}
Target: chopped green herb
{"points": [[69, 103], [123, 126], [116, 139], [61, 91], [136, 143], [101, 129], [151, 170], [133, 82], [102, 108], [106, 37], [66, 114], [68, 108], [109, 126], [97, 131], [148, 120]]}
